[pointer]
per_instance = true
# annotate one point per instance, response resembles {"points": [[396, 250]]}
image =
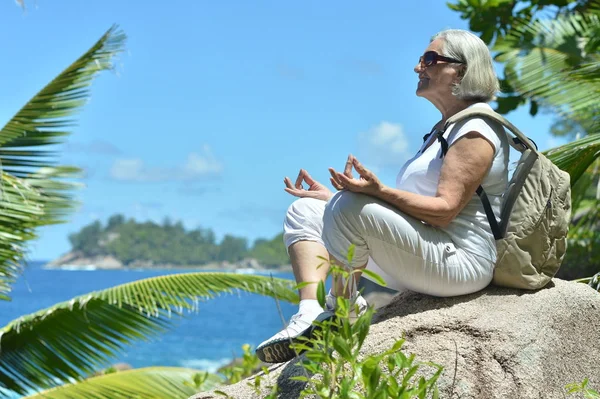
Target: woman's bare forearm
{"points": [[436, 211]]}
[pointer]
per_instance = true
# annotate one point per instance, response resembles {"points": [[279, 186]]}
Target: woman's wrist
{"points": [[381, 191]]}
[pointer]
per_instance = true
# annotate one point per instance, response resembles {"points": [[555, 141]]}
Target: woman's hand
{"points": [[315, 189], [367, 182]]}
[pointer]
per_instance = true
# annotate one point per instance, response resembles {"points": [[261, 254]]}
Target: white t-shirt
{"points": [[470, 230]]}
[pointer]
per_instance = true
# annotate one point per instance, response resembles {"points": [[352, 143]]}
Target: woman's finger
{"points": [[288, 182], [335, 184], [308, 179], [360, 168], [345, 181], [335, 178], [299, 193], [348, 167], [302, 193], [354, 185], [299, 179]]}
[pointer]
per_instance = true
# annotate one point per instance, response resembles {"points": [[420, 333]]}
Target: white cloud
{"points": [[384, 145], [128, 170], [202, 164], [198, 165]]}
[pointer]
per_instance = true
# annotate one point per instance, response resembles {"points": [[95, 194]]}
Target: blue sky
{"points": [[215, 102]]}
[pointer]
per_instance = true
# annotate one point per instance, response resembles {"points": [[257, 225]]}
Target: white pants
{"points": [[405, 252]]}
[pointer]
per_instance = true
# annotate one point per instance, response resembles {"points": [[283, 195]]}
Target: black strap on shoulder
{"points": [[428, 134], [489, 212], [518, 142], [443, 143]]}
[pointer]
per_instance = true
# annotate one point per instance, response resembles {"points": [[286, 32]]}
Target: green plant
{"points": [[582, 387], [333, 354], [593, 281], [257, 386], [203, 381], [245, 367]]}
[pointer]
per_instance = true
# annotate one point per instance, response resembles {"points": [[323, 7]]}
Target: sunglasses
{"points": [[431, 58]]}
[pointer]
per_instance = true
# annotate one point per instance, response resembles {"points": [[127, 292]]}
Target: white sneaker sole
{"points": [[280, 351]]}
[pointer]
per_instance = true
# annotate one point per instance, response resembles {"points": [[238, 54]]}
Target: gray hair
{"points": [[479, 81]]}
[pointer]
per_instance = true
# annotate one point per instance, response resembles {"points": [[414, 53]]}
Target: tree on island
{"points": [[130, 241]]}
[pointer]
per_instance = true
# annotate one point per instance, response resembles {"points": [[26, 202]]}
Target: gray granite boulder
{"points": [[497, 343]]}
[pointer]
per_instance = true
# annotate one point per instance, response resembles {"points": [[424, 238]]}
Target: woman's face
{"points": [[435, 81]]}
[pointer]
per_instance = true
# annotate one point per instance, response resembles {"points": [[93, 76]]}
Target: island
{"points": [[126, 243]]}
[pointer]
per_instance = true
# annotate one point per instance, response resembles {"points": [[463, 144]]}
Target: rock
{"points": [[497, 343], [376, 295], [77, 259], [65, 259]]}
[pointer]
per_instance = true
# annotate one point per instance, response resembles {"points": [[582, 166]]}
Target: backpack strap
{"points": [[489, 212], [519, 141]]}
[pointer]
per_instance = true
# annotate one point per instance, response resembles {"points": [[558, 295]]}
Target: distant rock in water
{"points": [[77, 259], [496, 343]]}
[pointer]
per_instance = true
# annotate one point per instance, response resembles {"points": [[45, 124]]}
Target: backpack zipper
{"points": [[549, 203], [548, 209]]}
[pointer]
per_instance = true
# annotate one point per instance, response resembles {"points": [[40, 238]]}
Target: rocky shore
{"points": [[76, 260]]}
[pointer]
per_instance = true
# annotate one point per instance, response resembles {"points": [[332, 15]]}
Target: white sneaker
{"points": [[277, 349]]}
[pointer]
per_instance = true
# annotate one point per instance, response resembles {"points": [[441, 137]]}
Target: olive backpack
{"points": [[531, 233]]}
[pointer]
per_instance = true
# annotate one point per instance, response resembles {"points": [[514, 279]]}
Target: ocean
{"points": [[205, 340]]}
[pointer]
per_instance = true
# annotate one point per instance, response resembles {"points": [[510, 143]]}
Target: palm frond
{"points": [[76, 337], [593, 281], [151, 382], [34, 191], [577, 156], [47, 116], [24, 205], [555, 69]]}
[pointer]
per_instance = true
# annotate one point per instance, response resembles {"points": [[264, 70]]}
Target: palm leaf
{"points": [[26, 204], [593, 281], [577, 156], [152, 382], [46, 117], [557, 69], [77, 337], [34, 192]]}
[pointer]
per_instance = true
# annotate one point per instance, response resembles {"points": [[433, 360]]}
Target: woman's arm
{"points": [[465, 165]]}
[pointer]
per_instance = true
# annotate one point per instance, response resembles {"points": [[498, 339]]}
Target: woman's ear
{"points": [[460, 73]]}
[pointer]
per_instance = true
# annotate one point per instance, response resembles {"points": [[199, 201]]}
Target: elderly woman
{"points": [[430, 233]]}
